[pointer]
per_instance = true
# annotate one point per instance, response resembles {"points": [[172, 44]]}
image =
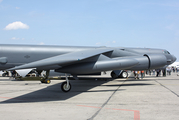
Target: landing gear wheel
{"points": [[65, 88], [113, 75], [124, 74], [47, 81], [4, 75], [42, 81]]}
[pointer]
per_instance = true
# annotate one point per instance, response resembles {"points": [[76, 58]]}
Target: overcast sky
{"points": [[127, 23]]}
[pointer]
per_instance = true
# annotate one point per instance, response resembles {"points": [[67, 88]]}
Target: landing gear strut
{"points": [[66, 86], [45, 79]]}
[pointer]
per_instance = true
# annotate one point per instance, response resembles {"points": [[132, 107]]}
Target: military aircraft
{"points": [[81, 60]]}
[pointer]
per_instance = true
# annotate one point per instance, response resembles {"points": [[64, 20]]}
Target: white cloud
{"points": [[16, 25]]}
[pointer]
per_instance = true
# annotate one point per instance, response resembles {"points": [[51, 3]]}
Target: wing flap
{"points": [[23, 72]]}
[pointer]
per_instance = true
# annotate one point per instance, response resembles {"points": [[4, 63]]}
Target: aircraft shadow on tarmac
{"points": [[54, 93]]}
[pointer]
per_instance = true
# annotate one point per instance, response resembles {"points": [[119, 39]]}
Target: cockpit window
{"points": [[166, 52]]}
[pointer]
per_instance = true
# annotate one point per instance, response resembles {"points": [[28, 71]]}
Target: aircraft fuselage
{"points": [[119, 58]]}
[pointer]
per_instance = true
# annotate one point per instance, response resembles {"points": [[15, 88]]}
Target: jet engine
{"points": [[150, 61], [156, 61]]}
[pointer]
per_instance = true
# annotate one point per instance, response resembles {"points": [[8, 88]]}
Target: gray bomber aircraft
{"points": [[81, 60]]}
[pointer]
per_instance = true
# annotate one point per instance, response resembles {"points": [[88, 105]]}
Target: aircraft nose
{"points": [[174, 58]]}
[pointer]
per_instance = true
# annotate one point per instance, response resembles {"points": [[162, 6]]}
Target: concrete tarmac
{"points": [[151, 98]]}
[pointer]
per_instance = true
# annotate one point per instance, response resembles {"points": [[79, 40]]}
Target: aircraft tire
{"points": [[3, 75], [46, 81], [64, 87], [42, 81], [124, 74], [113, 75]]}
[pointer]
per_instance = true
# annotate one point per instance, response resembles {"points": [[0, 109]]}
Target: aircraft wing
{"points": [[65, 59]]}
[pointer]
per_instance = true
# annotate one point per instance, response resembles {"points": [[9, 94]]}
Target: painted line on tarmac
{"points": [[167, 88], [91, 118], [136, 112]]}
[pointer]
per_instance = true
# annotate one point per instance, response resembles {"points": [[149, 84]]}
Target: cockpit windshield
{"points": [[166, 52]]}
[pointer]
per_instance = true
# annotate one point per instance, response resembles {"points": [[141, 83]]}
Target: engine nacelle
{"points": [[150, 61], [156, 61]]}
